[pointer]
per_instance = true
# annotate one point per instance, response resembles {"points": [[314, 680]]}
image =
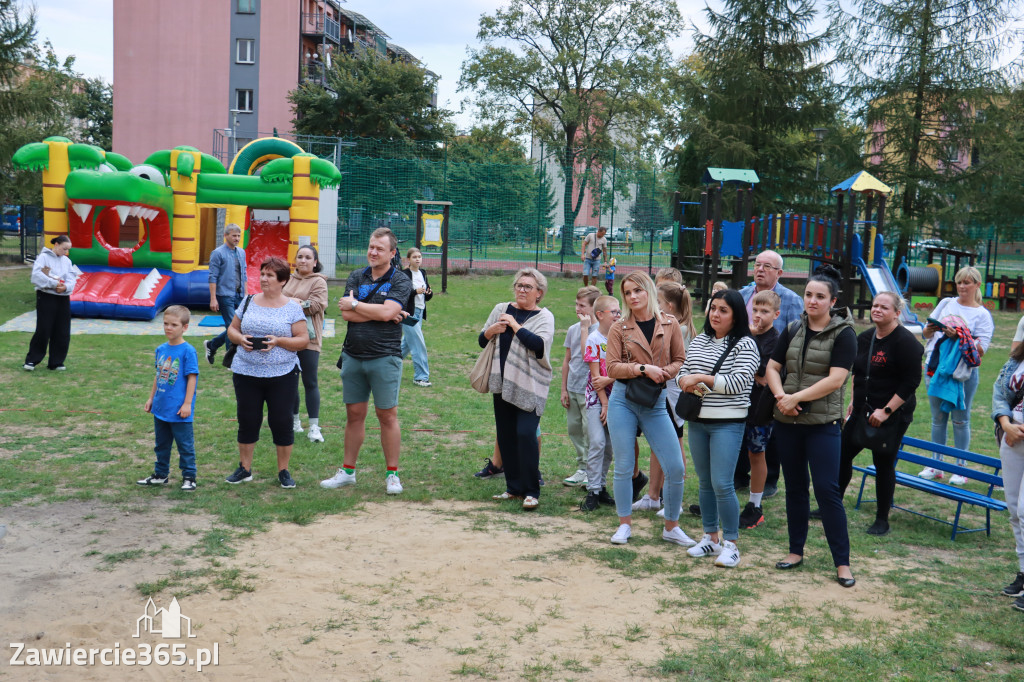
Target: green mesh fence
{"points": [[503, 215]]}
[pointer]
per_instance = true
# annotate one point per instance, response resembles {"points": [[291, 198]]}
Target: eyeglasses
{"points": [[615, 313], [765, 266], [526, 288]]}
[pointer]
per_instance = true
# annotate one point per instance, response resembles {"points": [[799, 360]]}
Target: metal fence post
{"points": [[650, 212]]}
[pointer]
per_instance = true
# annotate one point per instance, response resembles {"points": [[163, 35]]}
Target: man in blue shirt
{"points": [[227, 284], [767, 273]]}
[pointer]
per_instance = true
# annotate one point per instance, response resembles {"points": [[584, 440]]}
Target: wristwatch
{"points": [[887, 409], [643, 369], [355, 302]]}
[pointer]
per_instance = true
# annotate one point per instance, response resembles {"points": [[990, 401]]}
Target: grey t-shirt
{"points": [[592, 243], [576, 382]]}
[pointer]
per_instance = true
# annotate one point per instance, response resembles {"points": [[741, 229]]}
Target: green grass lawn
{"points": [[82, 435]]}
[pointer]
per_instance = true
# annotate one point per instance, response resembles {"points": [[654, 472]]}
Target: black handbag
{"points": [[763, 411], [230, 354], [689, 404], [884, 438], [643, 391]]}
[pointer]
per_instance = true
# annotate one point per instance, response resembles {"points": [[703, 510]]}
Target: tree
{"points": [[583, 75], [750, 97], [921, 72], [35, 90], [370, 95], [93, 106]]}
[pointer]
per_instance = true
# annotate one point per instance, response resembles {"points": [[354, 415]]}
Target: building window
{"points": [[246, 6], [243, 100], [245, 51]]}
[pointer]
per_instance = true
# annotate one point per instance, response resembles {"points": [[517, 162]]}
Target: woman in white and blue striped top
{"points": [[717, 433]]}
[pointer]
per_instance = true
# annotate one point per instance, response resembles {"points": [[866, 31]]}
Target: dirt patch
{"points": [[398, 590]]}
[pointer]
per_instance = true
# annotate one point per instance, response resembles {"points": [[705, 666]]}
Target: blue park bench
{"points": [[959, 495]]}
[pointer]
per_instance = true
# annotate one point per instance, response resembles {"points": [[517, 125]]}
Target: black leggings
{"points": [[279, 395], [53, 329], [885, 473], [309, 360]]}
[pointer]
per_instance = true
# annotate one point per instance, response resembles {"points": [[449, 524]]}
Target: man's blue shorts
{"points": [[592, 267]]}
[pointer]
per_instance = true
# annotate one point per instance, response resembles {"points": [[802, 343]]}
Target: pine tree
{"points": [[923, 72], [751, 95]]}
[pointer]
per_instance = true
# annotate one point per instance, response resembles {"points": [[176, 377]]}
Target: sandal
{"points": [[530, 502], [506, 496]]}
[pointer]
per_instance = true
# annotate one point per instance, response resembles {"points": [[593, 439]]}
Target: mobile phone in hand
{"points": [[259, 342], [701, 390]]}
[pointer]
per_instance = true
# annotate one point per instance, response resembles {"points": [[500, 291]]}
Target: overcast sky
{"points": [[437, 33]]}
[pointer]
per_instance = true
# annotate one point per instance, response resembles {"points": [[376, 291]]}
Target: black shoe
{"points": [[1016, 588], [153, 479], [211, 352], [815, 514], [695, 509], [1018, 603], [846, 582], [786, 565], [489, 470], [240, 475], [638, 485], [285, 478], [770, 491], [188, 484], [592, 502], [751, 516], [604, 498], [879, 527]]}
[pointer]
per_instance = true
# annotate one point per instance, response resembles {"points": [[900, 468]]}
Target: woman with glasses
{"points": [[519, 379]]}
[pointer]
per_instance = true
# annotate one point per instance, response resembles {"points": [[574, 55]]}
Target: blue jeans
{"points": [[714, 449], [176, 432], [227, 313], [412, 341], [961, 418], [818, 448], [623, 417]]}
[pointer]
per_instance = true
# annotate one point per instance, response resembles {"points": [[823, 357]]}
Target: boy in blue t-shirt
{"points": [[173, 400]]}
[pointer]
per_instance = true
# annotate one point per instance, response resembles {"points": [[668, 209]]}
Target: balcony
{"points": [[319, 24], [314, 71]]}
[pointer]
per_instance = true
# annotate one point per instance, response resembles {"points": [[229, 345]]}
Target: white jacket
{"points": [[61, 268]]}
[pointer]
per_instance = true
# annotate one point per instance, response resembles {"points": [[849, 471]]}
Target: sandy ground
{"points": [[395, 591]]}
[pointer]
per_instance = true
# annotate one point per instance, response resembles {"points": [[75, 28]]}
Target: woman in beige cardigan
{"points": [[519, 379], [308, 288]]}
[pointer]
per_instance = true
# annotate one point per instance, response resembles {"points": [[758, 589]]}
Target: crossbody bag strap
{"points": [[375, 289], [245, 306], [721, 359]]}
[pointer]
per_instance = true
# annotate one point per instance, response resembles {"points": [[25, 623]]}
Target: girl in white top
{"points": [[54, 277], [968, 307]]}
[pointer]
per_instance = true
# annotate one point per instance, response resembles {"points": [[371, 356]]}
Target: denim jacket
{"points": [[1002, 394]]}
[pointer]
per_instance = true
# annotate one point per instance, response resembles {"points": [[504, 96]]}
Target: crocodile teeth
{"points": [[122, 213], [82, 210], [134, 210]]}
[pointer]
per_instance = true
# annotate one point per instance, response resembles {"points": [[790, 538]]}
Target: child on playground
{"points": [[599, 387], [574, 381], [766, 306], [609, 276], [172, 401]]}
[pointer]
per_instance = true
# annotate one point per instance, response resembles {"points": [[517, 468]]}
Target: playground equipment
{"points": [[165, 211], [837, 241]]}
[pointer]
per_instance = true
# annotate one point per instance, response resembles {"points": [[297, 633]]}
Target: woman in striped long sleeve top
{"points": [[717, 433]]}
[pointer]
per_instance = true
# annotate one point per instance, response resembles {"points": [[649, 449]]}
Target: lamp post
{"points": [[234, 131], [819, 134]]}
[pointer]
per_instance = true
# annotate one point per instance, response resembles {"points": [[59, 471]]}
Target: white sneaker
{"points": [[929, 474], [621, 536], [314, 434], [661, 513], [677, 536], [957, 479], [423, 384], [296, 425], [339, 480], [729, 556], [393, 485], [579, 479], [645, 503], [706, 547]]}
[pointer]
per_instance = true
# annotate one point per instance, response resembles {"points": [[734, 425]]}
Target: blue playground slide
{"points": [[880, 278]]}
